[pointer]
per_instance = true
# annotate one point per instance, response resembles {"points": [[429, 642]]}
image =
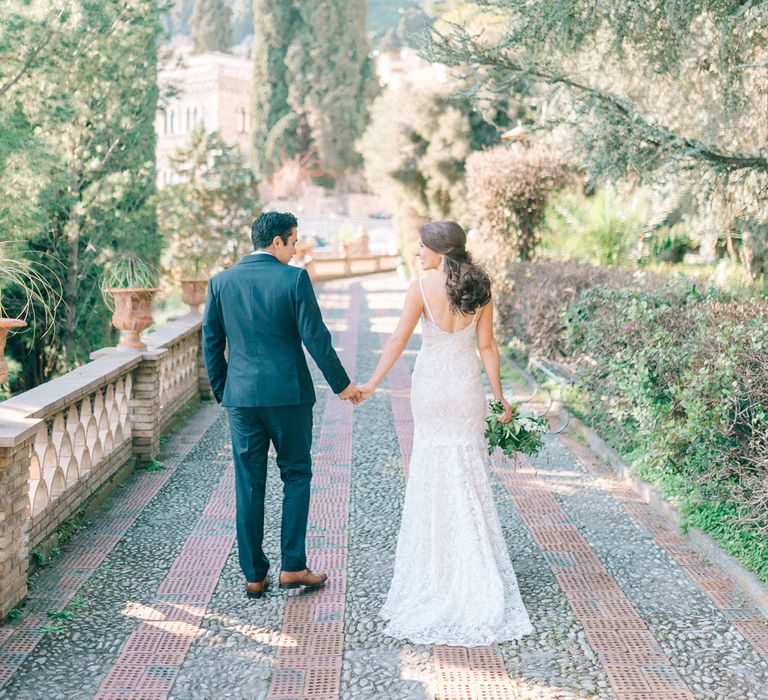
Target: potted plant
{"points": [[191, 251], [194, 283], [305, 247], [127, 285], [344, 239], [36, 288], [205, 214]]}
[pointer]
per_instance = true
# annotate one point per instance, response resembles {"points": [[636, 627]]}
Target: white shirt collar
{"points": [[261, 252]]}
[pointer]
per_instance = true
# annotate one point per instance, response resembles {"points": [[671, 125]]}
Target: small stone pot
{"points": [[193, 293], [7, 324], [133, 314]]}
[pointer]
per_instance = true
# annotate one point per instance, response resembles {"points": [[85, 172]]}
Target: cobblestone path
{"points": [[147, 602]]}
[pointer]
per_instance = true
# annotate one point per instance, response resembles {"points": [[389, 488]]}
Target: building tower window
{"points": [[243, 120]]}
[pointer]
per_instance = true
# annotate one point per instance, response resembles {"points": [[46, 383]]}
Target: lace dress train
{"points": [[453, 581]]}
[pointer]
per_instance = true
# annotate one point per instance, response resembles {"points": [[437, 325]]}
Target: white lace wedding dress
{"points": [[453, 581]]}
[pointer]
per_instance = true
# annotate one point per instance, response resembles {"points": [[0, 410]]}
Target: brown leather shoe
{"points": [[256, 590], [295, 579]]}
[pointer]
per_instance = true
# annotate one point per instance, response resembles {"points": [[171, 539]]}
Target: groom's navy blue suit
{"points": [[262, 311]]}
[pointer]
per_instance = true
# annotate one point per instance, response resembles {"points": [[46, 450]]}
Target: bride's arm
{"points": [[489, 354], [397, 341]]}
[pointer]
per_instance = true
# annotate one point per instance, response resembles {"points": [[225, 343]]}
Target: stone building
{"points": [[213, 89]]}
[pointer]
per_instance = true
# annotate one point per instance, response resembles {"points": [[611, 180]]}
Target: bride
{"points": [[453, 581]]}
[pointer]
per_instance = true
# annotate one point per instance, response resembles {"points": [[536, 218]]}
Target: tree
{"points": [[508, 188], [211, 24], [415, 151], [205, 214], [177, 20], [80, 104], [276, 127], [333, 79], [654, 90], [313, 81]]}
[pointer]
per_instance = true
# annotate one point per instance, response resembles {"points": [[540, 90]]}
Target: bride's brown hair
{"points": [[467, 283]]}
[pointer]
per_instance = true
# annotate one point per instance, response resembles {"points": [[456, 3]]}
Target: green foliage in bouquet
{"points": [[522, 434]]}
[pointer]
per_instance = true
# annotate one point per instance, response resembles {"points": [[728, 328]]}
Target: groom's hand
{"points": [[351, 393]]}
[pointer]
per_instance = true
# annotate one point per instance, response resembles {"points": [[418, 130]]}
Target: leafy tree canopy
{"points": [[617, 72], [211, 24], [653, 89], [79, 97]]}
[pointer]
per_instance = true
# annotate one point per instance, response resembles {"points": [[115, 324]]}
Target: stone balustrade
{"points": [[64, 440], [333, 268], [60, 442]]}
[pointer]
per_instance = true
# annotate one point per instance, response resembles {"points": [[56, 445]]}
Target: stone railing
{"points": [[60, 442], [332, 268]]}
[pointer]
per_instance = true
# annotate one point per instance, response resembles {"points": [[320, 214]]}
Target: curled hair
{"points": [[467, 283]]}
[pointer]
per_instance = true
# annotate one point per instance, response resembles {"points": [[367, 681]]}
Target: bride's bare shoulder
{"points": [[435, 285]]}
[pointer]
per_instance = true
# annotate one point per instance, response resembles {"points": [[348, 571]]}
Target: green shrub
{"points": [[604, 228], [530, 299], [674, 374], [508, 188], [679, 377]]}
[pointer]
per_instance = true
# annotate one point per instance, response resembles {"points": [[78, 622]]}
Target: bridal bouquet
{"points": [[522, 434]]}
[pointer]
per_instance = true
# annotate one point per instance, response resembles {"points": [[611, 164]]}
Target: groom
{"points": [[257, 315]]}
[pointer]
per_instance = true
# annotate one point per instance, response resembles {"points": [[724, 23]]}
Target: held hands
{"points": [[357, 393], [366, 390], [351, 393], [507, 415]]}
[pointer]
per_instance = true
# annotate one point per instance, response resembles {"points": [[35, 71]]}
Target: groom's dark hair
{"points": [[270, 224]]}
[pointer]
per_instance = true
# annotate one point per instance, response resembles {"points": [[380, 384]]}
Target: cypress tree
{"points": [[333, 79], [274, 124], [314, 81], [211, 24]]}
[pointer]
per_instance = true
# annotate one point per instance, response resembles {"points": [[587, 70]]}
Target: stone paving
{"points": [[147, 602]]}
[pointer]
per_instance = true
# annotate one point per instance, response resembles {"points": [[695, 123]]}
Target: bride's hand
{"points": [[366, 390], [507, 415]]}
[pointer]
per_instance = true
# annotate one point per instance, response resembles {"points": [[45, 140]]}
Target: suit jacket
{"points": [[262, 311]]}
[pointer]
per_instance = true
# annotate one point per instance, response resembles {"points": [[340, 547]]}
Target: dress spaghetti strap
{"points": [[430, 315]]}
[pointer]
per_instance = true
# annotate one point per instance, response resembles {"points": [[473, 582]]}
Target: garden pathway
{"points": [[147, 602]]}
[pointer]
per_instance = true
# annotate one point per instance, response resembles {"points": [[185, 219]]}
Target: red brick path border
{"points": [[93, 546], [151, 658], [709, 579], [308, 662], [634, 663]]}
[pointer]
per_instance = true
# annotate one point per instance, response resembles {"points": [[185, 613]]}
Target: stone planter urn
{"points": [[304, 252], [7, 324], [364, 243], [193, 291], [133, 314]]}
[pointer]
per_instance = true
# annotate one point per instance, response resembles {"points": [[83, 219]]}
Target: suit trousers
{"points": [[289, 429]]}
